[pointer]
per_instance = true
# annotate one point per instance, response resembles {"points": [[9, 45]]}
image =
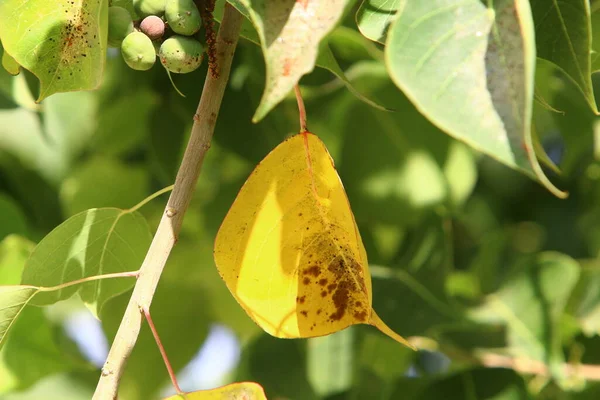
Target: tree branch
{"points": [[170, 223]]}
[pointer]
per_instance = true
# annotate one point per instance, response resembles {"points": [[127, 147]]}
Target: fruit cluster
{"points": [[145, 29]]}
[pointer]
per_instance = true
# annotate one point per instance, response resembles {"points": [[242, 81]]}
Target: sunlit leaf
{"points": [[9, 64], [93, 242], [290, 32], [12, 301], [289, 249], [62, 42], [563, 36], [470, 70], [234, 391]]}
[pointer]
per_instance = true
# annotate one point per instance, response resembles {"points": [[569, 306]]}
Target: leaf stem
{"points": [[301, 109], [149, 199], [170, 223], [127, 274], [161, 348]]}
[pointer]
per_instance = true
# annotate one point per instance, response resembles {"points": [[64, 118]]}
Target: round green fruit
{"points": [[181, 54], [126, 4], [149, 7], [183, 16], [119, 25], [138, 51]]}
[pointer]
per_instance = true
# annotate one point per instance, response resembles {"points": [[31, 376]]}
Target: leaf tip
{"points": [[378, 323]]}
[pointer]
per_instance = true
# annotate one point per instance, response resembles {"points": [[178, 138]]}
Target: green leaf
{"points": [[62, 42], [329, 362], [482, 63], [531, 304], [563, 36], [10, 64], [12, 301], [103, 182], [290, 33], [14, 252], [94, 242], [595, 51], [375, 16]]}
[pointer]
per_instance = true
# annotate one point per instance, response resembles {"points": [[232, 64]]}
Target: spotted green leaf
{"points": [[62, 42]]}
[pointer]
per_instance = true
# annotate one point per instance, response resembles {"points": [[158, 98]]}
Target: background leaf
{"points": [[563, 36], [94, 242], [486, 69], [290, 33]]}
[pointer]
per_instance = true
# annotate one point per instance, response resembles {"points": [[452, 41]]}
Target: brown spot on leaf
{"points": [[323, 282], [360, 315], [304, 312], [331, 288], [314, 271], [301, 299], [323, 293], [306, 281]]}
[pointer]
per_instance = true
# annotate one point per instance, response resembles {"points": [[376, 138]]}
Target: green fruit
{"points": [[183, 16], [138, 51], [126, 4], [119, 25], [149, 7], [181, 54]]}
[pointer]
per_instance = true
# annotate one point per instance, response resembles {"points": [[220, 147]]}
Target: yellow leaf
{"points": [[289, 249], [235, 391]]}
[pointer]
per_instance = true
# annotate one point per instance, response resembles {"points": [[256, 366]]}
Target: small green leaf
{"points": [[375, 16], [290, 33], [62, 42], [563, 36], [531, 304], [12, 301], [93, 242], [470, 70]]}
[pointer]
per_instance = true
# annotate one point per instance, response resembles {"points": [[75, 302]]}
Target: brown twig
{"points": [[301, 109], [170, 223], [162, 350], [206, 8]]}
